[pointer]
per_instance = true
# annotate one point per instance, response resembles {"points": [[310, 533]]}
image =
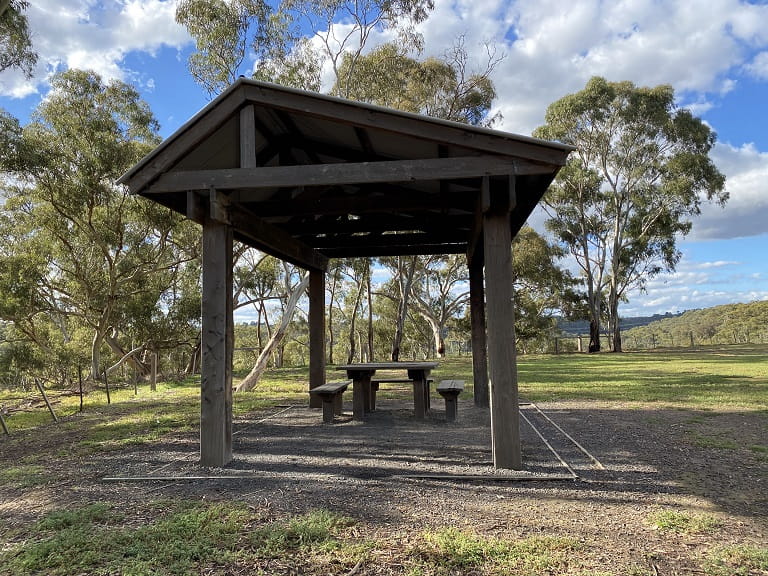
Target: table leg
{"points": [[419, 398], [358, 399]]}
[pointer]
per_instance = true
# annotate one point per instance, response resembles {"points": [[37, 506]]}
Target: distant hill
{"points": [[581, 327], [727, 324]]}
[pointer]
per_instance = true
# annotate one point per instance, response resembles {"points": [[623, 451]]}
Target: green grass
{"points": [[698, 379], [681, 522], [23, 476], [184, 539], [714, 441], [451, 551], [737, 561]]}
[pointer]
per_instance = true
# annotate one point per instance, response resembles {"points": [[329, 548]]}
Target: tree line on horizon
{"points": [[92, 276]]}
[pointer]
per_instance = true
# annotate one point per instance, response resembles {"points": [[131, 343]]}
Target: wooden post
{"points": [[477, 318], [2, 421], [502, 361], [80, 380], [316, 334], [217, 344], [106, 387], [153, 375], [45, 397]]}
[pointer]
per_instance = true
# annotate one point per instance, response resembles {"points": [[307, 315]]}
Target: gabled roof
{"points": [[306, 176]]}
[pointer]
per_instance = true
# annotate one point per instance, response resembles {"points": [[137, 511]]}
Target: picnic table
{"points": [[362, 373]]}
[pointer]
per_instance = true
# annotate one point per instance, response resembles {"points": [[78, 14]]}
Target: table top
{"points": [[388, 366]]}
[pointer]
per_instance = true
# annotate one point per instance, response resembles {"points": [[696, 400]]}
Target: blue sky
{"points": [[714, 53]]}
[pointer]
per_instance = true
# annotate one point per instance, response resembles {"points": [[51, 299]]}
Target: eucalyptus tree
{"points": [[343, 30], [444, 88], [295, 284], [640, 172], [542, 287], [441, 293], [447, 87], [288, 42], [94, 255], [15, 38]]}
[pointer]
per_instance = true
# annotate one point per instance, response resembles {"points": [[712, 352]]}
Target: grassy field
{"points": [[221, 538], [728, 378]]}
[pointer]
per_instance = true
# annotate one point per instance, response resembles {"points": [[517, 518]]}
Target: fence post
{"points": [[80, 379], [45, 397], [153, 381], [106, 386]]}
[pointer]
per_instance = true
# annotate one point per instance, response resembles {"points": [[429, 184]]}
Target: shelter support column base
{"points": [[502, 362], [217, 346]]}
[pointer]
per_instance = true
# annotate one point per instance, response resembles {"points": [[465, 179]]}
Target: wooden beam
{"points": [[316, 334], [248, 137], [500, 317], [424, 222], [412, 250], [402, 123], [264, 236], [186, 139], [366, 202], [477, 320], [454, 236], [217, 346], [476, 235], [337, 174], [196, 207]]}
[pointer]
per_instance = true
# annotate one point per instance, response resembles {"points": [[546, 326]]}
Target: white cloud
{"points": [[758, 67], [552, 48], [94, 35], [746, 212]]}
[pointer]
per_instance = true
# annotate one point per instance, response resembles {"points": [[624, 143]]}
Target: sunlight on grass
{"points": [[700, 379], [23, 476], [737, 561], [728, 378], [682, 522], [449, 550]]}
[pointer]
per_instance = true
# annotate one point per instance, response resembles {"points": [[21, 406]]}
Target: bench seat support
{"points": [[450, 390], [331, 395]]}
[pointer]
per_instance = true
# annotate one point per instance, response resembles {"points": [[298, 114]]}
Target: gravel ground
{"points": [[396, 476]]}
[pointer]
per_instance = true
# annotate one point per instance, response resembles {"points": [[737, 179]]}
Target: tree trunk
{"points": [[370, 314], [130, 357], [334, 280], [193, 365], [353, 322], [250, 381], [404, 282], [437, 330], [98, 339], [594, 336], [615, 325]]}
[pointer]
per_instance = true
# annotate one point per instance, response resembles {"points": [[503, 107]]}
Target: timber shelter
{"points": [[307, 177]]}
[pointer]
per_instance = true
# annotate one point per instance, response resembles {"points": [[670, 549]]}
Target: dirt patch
{"points": [[398, 477]]}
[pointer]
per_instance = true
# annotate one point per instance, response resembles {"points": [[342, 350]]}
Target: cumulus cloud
{"points": [[746, 212], [697, 285], [552, 48], [94, 35], [758, 67]]}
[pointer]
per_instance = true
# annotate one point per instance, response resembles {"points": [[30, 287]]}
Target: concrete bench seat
{"points": [[331, 394], [450, 390]]}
